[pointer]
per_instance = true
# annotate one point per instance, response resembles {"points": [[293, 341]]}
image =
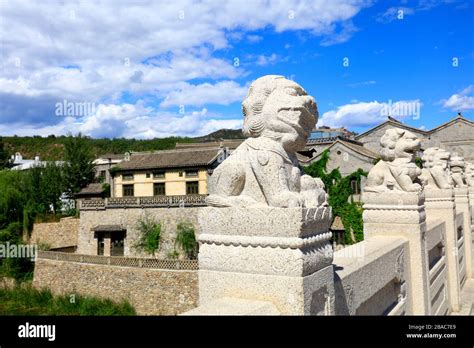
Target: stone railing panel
{"points": [[120, 261], [371, 277]]}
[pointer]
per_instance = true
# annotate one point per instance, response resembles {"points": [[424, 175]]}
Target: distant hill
{"points": [[51, 148], [221, 134]]}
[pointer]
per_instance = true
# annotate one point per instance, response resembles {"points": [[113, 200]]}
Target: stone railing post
{"points": [[398, 213], [461, 199], [281, 256], [440, 205], [471, 213]]}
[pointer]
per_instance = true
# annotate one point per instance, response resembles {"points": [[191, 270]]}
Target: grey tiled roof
{"points": [[178, 158], [91, 189]]}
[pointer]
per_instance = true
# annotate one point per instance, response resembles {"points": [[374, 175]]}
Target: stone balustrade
{"points": [[144, 202]]}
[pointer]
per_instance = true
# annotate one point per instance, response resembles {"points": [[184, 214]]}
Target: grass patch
{"points": [[27, 300]]}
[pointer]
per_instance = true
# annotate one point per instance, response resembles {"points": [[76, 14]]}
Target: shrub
{"points": [[339, 191], [186, 239], [27, 300], [150, 234], [173, 254]]}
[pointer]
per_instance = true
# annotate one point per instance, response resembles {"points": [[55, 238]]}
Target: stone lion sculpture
{"points": [[435, 173], [396, 169], [457, 167], [263, 171], [470, 174]]}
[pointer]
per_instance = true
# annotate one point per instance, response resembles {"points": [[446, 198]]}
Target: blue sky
{"points": [[154, 69]]}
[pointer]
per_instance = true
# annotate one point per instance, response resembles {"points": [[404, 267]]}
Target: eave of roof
{"points": [[134, 162], [354, 147], [397, 124], [450, 122]]}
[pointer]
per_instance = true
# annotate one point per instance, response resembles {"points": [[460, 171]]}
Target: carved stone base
{"points": [[461, 198], [471, 209], [281, 255], [440, 206], [402, 214]]}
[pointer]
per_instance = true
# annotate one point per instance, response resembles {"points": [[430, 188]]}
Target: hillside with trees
{"points": [[52, 148]]}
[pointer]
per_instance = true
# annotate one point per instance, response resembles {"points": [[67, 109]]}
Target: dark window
{"points": [[147, 175], [338, 152], [100, 244], [127, 176], [159, 175], [355, 186], [159, 189], [180, 173], [192, 188], [191, 173], [116, 243], [128, 191], [102, 174]]}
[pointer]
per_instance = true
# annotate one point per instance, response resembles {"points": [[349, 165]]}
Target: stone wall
{"points": [[346, 160], [56, 234], [150, 291], [457, 137], [128, 218]]}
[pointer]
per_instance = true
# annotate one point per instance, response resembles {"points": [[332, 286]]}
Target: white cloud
{"points": [[363, 114], [348, 29], [395, 13], [254, 38], [362, 83], [223, 93], [99, 51], [461, 101], [263, 60], [400, 12], [130, 120]]}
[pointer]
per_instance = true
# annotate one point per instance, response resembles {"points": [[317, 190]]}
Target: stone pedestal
{"points": [[461, 199], [279, 255], [439, 205], [402, 214]]}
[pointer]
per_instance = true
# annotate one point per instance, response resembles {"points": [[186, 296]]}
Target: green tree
{"points": [[340, 192], [78, 166], [46, 185], [4, 157], [13, 197]]}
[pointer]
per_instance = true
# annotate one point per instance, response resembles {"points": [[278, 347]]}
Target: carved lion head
{"points": [[435, 157], [278, 108], [470, 173], [456, 162], [398, 143]]}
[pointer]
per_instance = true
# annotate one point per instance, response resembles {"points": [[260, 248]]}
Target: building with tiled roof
{"points": [[182, 171], [347, 155], [456, 135]]}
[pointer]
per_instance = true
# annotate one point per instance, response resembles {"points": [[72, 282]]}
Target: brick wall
{"points": [[56, 234], [128, 218], [150, 291]]}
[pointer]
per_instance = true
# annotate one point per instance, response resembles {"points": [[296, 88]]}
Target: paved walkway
{"points": [[467, 298]]}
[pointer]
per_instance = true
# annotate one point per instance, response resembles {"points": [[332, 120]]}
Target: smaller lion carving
{"points": [[470, 174], [457, 166], [396, 169], [435, 173]]}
